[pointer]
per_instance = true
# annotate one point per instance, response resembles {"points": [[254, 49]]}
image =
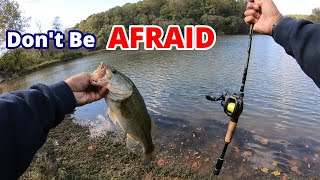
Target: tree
{"points": [[315, 16], [11, 18], [56, 24], [39, 27]]}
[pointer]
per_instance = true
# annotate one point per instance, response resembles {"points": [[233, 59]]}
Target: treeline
{"points": [[225, 16], [315, 16]]}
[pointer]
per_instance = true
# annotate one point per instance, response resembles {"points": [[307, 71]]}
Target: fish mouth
{"points": [[101, 76]]}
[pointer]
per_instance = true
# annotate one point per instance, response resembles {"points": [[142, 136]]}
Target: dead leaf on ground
{"points": [[284, 177], [264, 141], [274, 163], [236, 149], [90, 148], [306, 159], [196, 153], [295, 169], [173, 146], [276, 173], [194, 135], [253, 131], [195, 165], [160, 162], [199, 129], [265, 170], [317, 155], [247, 153]]}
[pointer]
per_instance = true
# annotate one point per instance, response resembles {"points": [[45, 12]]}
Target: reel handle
{"points": [[211, 98]]}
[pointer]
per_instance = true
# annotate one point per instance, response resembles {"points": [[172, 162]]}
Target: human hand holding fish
{"points": [[84, 91]]}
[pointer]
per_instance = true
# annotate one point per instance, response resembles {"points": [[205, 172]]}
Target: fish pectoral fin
{"points": [[154, 127], [131, 143], [112, 116]]}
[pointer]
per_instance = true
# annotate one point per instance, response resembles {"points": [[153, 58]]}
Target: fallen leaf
{"points": [[284, 177], [90, 148], [295, 169], [196, 153], [160, 162], [195, 165], [173, 146], [236, 149], [199, 129], [276, 173], [264, 141], [274, 163], [247, 153], [265, 170], [194, 135], [253, 131], [306, 159], [316, 155], [207, 160]]}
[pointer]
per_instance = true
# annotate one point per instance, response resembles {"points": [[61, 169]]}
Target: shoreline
{"points": [[46, 64]]}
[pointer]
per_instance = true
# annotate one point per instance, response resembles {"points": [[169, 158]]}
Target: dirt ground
{"points": [[183, 153]]}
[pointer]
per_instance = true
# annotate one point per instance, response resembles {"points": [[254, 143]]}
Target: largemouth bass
{"points": [[127, 108]]}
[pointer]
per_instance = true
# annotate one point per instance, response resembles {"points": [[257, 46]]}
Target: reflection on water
{"points": [[281, 102]]}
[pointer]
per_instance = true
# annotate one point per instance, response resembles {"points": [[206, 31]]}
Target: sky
{"points": [[72, 12]]}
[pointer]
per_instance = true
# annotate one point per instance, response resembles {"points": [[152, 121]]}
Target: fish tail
{"points": [[147, 159], [149, 156]]}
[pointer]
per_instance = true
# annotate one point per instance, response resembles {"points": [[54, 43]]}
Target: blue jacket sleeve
{"points": [[25, 120], [301, 40]]}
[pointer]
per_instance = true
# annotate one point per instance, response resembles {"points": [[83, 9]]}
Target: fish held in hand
{"points": [[127, 108]]}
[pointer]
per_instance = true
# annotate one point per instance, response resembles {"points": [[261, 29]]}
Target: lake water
{"points": [[281, 102]]}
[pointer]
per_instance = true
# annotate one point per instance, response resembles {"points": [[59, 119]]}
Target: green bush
{"points": [[70, 55]]}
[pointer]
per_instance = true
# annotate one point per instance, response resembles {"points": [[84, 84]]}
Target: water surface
{"points": [[281, 102]]}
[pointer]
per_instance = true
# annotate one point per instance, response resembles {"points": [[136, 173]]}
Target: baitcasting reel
{"points": [[232, 104]]}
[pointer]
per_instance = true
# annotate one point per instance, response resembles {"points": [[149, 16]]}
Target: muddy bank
{"points": [[183, 152]]}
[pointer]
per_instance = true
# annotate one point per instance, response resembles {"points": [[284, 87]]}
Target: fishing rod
{"points": [[233, 106]]}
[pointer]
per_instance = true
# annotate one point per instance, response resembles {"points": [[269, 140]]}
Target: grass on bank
{"points": [[70, 153]]}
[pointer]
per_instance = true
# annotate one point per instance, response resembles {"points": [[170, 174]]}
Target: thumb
{"points": [[103, 91]]}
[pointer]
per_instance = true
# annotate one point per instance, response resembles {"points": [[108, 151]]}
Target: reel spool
{"points": [[232, 104]]}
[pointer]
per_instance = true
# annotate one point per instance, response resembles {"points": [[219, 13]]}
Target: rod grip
{"points": [[218, 166], [231, 128]]}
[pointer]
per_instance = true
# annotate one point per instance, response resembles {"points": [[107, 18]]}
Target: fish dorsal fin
{"points": [[131, 143], [154, 127]]}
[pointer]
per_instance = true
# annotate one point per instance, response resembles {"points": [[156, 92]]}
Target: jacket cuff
{"points": [[281, 32], [64, 93]]}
